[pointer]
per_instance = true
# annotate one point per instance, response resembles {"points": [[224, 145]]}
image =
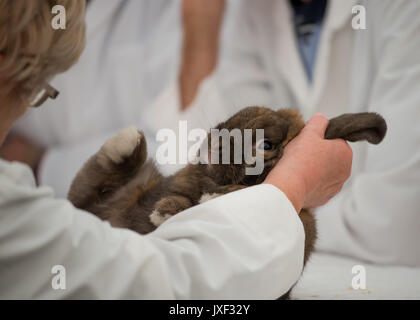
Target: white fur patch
{"points": [[121, 146], [207, 196], [157, 219]]}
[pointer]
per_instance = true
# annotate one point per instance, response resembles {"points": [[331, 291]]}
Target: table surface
{"points": [[330, 277]]}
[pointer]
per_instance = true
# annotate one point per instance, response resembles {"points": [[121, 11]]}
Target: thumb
{"points": [[318, 123]]}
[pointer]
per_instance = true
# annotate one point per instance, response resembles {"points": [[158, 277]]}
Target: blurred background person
{"points": [[306, 54]]}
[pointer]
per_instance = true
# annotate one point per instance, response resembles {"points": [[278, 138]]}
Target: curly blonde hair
{"points": [[31, 50]]}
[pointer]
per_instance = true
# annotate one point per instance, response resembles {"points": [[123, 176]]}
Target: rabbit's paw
{"points": [[156, 218], [120, 147], [167, 207], [208, 196]]}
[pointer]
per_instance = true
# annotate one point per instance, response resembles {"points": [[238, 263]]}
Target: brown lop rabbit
{"points": [[120, 185]]}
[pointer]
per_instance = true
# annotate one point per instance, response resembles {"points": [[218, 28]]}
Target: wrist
{"points": [[292, 186], [196, 57], [200, 43]]}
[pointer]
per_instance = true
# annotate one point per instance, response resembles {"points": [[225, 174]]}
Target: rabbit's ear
{"points": [[295, 120], [357, 127]]}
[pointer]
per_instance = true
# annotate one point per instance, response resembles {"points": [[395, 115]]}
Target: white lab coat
{"points": [[376, 216], [246, 245]]}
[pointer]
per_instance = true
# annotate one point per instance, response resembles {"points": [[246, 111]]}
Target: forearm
{"points": [[196, 65], [255, 232], [291, 186], [202, 23]]}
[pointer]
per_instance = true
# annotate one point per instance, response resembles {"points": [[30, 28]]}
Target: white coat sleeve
{"points": [[247, 244], [377, 216]]}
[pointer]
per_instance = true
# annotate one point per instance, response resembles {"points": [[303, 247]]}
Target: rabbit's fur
{"points": [[120, 185]]}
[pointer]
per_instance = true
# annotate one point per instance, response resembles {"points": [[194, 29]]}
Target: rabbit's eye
{"points": [[265, 145]]}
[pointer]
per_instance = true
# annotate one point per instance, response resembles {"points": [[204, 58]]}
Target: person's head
{"points": [[32, 52]]}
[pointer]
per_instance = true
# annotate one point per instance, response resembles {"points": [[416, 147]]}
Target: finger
{"points": [[318, 123]]}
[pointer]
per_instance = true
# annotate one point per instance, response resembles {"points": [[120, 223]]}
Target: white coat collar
{"points": [[288, 56], [338, 13], [338, 16]]}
